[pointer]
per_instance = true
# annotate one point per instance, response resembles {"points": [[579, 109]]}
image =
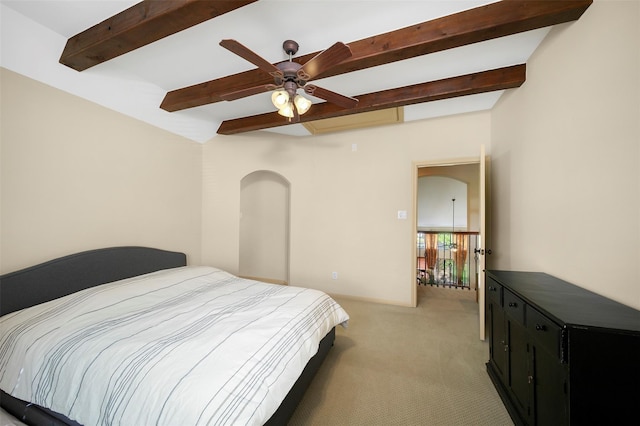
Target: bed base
{"points": [[66, 275], [293, 398]]}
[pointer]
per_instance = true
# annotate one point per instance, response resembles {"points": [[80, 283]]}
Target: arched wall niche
{"points": [[264, 227]]}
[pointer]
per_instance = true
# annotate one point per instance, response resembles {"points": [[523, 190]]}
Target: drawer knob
{"points": [[513, 305], [540, 327]]}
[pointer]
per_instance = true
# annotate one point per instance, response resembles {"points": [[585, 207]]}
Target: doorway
{"points": [[447, 226], [476, 214]]}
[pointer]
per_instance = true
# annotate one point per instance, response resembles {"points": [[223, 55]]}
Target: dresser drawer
{"points": [[546, 333], [494, 292], [513, 306]]}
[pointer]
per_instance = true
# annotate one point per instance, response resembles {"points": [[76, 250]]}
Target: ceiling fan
{"points": [[290, 76]]}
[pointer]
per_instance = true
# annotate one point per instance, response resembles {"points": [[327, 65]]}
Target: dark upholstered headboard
{"points": [[66, 275]]}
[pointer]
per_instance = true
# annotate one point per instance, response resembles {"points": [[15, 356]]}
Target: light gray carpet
{"points": [[406, 366]]}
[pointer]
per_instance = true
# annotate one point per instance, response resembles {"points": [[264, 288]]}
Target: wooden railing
{"points": [[447, 259]]}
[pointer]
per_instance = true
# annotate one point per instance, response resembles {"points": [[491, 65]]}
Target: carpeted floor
{"points": [[406, 366]]}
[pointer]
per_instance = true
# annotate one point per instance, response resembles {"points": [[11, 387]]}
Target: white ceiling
{"points": [[34, 34]]}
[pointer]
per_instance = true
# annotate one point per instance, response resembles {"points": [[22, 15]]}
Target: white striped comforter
{"points": [[185, 346]]}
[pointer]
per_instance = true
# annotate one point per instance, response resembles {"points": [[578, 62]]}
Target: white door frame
{"points": [[443, 163], [482, 241]]}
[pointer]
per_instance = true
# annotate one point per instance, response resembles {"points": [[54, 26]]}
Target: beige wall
{"points": [[344, 204], [77, 176], [565, 175], [566, 159]]}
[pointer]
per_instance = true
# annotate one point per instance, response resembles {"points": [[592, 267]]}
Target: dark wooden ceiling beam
{"points": [[475, 25], [470, 84], [139, 25]]}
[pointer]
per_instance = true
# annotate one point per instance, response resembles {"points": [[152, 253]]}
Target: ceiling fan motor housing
{"points": [[290, 73]]}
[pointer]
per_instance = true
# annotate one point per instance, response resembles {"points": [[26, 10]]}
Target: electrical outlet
{"points": [[334, 275]]}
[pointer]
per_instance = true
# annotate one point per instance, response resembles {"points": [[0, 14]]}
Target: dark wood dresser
{"points": [[560, 354]]}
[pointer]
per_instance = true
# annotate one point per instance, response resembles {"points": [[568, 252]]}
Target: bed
{"points": [[132, 335]]}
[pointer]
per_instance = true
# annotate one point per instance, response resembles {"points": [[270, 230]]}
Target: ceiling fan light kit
{"points": [[280, 98], [302, 104], [286, 111], [290, 76]]}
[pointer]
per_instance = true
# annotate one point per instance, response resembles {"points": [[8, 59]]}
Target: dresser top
{"points": [[566, 303]]}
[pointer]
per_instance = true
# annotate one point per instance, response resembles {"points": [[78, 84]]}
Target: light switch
{"points": [[402, 214]]}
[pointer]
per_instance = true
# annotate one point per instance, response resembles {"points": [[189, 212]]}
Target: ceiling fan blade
{"points": [[324, 60], [238, 94], [333, 97], [254, 58]]}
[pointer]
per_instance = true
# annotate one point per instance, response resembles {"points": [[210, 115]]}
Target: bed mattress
{"points": [[190, 345]]}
